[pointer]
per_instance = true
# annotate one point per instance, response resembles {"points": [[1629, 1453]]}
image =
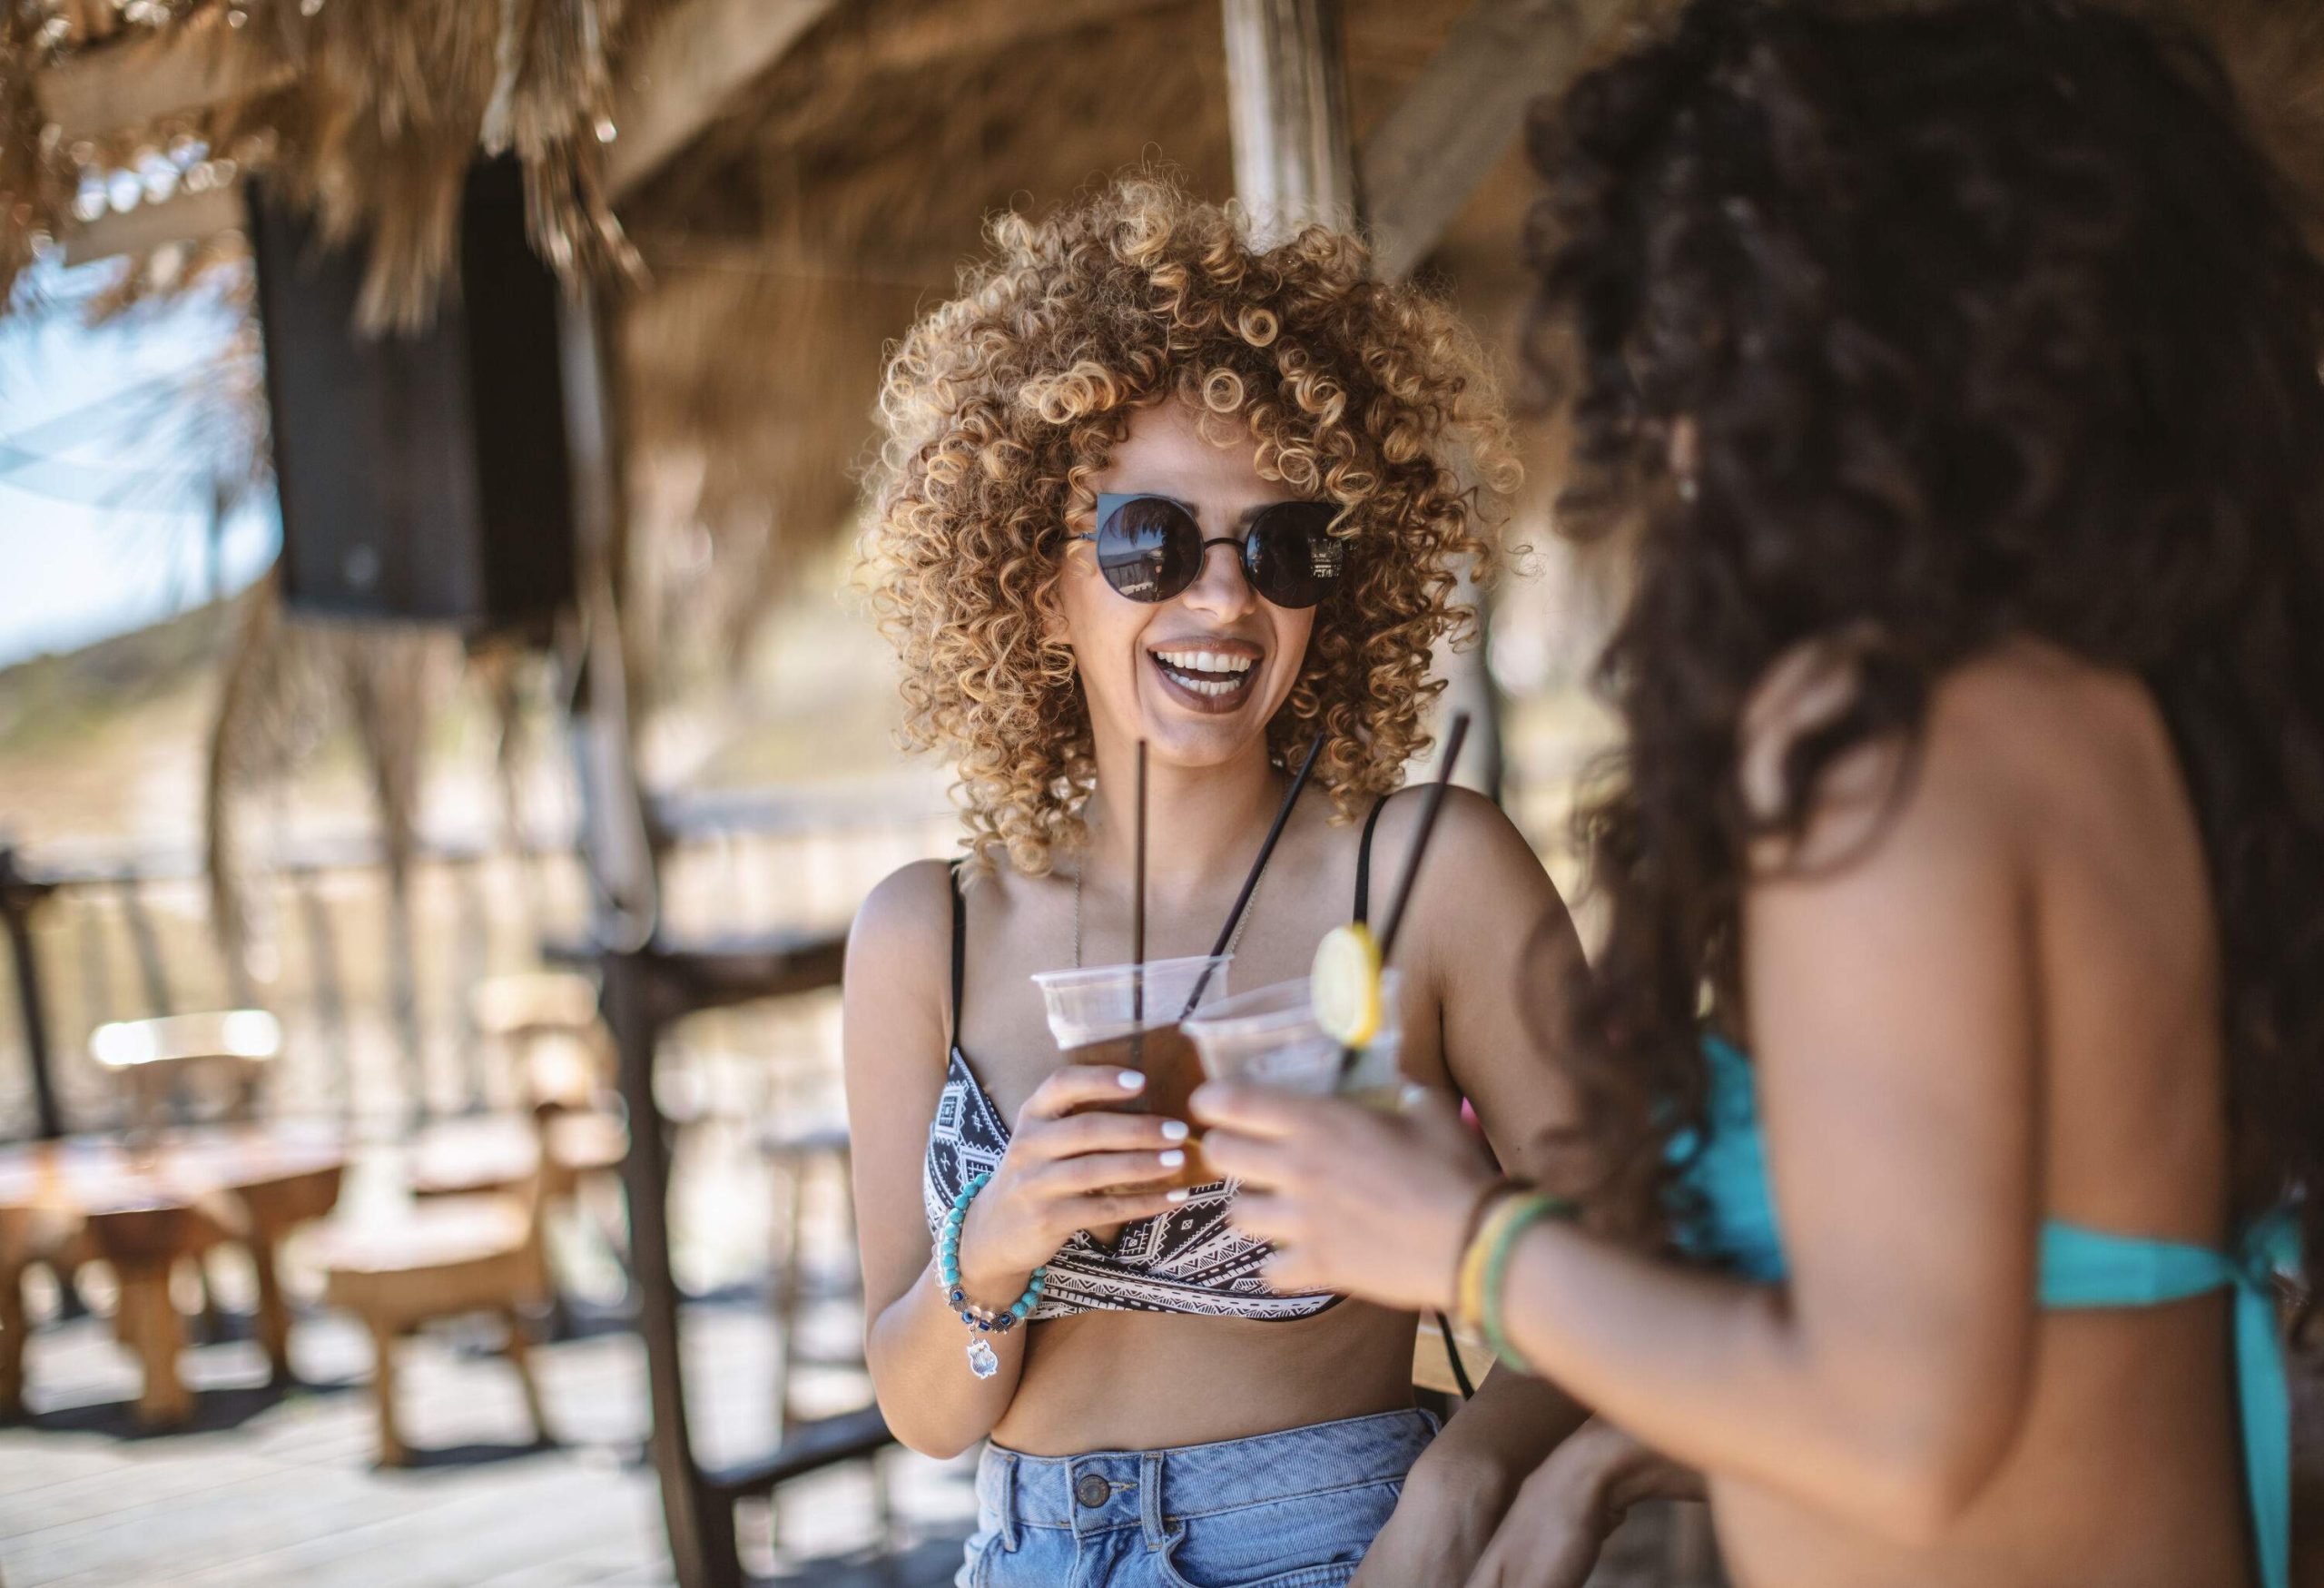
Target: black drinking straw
{"points": [[1433, 802], [1251, 882], [1137, 924]]}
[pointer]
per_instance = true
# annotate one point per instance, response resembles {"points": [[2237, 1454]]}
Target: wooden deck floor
{"points": [[267, 1491], [281, 1492]]}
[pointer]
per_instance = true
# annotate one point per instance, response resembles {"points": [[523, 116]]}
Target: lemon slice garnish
{"points": [[1345, 984]]}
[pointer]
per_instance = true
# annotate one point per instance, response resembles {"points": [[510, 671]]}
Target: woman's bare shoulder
{"points": [[2004, 735], [904, 929], [1478, 861]]}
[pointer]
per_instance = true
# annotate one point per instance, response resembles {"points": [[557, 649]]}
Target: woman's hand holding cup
{"points": [[1073, 1163], [1352, 1199]]}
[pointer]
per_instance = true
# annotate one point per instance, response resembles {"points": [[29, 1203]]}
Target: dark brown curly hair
{"points": [[1001, 406], [1991, 321]]}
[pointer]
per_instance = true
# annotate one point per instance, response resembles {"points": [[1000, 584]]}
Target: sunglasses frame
{"points": [[1111, 504]]}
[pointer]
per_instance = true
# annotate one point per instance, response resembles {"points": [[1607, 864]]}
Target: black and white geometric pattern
{"points": [[1189, 1259]]}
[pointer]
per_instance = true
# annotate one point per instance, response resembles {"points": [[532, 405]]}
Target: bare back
{"points": [[2124, 1466]]}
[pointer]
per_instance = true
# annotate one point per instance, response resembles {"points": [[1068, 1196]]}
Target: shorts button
{"points": [[1092, 1490]]}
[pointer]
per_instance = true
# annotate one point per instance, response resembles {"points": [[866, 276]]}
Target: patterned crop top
{"points": [[1187, 1260]]}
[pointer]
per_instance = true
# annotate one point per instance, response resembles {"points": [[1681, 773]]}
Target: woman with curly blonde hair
{"points": [[1144, 481]]}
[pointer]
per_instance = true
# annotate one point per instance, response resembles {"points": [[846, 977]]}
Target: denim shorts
{"points": [[1291, 1510]]}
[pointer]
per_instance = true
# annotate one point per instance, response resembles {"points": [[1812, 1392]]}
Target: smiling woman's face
{"points": [[1199, 675]]}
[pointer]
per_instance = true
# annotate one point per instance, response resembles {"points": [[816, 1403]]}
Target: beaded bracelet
{"points": [[981, 1360]]}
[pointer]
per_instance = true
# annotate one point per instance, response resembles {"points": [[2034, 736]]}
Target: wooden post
{"points": [[20, 895], [1286, 103], [699, 1525], [625, 894], [1295, 165]]}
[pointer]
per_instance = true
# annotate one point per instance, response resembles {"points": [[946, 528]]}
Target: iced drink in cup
{"points": [[1270, 1036], [1103, 1015]]}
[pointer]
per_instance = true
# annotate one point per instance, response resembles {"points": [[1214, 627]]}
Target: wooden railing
{"points": [[375, 1005]]}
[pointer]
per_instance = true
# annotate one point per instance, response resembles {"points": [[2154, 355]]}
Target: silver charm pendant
{"points": [[981, 1361]]}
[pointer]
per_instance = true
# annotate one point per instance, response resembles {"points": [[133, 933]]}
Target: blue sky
{"points": [[105, 506]]}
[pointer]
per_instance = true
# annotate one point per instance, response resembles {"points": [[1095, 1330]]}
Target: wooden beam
{"points": [[187, 218], [1419, 165], [689, 72], [121, 87], [1286, 103]]}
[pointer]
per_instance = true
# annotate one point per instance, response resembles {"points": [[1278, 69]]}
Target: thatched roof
{"points": [[806, 227], [832, 194], [775, 231]]}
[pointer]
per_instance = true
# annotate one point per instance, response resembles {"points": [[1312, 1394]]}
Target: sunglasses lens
{"points": [[1148, 548], [1293, 558]]}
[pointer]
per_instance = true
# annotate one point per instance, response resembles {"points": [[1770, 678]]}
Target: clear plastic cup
{"points": [[1099, 1015], [1098, 1002], [1269, 1035]]}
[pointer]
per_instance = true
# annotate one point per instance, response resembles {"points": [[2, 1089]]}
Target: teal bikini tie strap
{"points": [[2271, 1245], [2093, 1269], [2080, 1268]]}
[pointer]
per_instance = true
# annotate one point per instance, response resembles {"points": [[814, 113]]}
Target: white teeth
{"points": [[1205, 661], [1226, 673]]}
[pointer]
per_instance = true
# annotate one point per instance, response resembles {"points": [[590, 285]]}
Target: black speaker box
{"points": [[421, 478]]}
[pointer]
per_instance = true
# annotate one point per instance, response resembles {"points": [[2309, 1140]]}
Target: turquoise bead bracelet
{"points": [[981, 1360]]}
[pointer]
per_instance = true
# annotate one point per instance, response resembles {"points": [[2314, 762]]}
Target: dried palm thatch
{"points": [[370, 111], [285, 688], [806, 227], [33, 191], [805, 231]]}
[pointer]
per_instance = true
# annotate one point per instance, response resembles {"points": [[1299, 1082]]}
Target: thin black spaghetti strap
{"points": [[1362, 911], [959, 943], [1364, 861]]}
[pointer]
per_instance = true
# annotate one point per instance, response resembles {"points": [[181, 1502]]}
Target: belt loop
{"points": [[1150, 1519], [1007, 1500]]}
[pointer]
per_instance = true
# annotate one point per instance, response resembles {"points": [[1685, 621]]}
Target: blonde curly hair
{"points": [[999, 407]]}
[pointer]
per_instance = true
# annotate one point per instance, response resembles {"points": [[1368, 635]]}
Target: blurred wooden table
{"points": [[143, 1208]]}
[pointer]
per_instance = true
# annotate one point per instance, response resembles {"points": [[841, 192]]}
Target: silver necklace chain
{"points": [[1233, 941]]}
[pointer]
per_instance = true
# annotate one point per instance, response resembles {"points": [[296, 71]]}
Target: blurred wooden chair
{"points": [[161, 1064], [573, 1127], [442, 1258], [549, 1020]]}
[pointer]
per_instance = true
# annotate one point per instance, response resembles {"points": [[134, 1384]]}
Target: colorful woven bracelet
{"points": [[1499, 1238], [982, 1362], [1469, 1272]]}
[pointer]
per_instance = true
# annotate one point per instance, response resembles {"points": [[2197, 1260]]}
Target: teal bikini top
{"points": [[1735, 1224]]}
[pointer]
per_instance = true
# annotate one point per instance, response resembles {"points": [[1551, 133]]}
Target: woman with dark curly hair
{"points": [[1959, 364], [1143, 481]]}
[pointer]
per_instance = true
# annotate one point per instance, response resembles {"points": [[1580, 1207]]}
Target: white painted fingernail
{"points": [[1173, 1159], [1180, 1195], [1174, 1129], [1131, 1079]]}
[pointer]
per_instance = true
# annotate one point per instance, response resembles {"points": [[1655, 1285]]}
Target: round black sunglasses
{"points": [[1150, 548]]}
